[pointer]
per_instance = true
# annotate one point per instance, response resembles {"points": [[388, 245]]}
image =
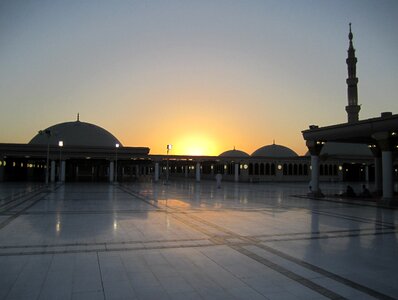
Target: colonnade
{"points": [[61, 171], [198, 171], [383, 161]]}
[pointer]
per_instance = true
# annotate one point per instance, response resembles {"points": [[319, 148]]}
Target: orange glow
{"points": [[173, 203], [196, 145]]}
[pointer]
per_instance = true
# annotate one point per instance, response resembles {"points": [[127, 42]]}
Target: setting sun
{"points": [[196, 145]]}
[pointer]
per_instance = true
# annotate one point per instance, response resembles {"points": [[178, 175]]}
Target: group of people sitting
{"points": [[351, 193]]}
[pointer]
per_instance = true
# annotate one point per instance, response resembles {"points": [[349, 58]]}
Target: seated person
{"points": [[350, 192], [365, 192]]}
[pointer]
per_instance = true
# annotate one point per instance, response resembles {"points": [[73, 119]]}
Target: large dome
{"points": [[234, 153], [274, 151], [76, 134]]}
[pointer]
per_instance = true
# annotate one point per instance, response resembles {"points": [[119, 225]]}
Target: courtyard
{"points": [[188, 240]]}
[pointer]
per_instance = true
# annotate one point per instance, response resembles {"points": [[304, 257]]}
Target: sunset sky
{"points": [[203, 75]]}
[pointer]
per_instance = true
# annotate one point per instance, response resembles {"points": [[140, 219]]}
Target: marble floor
{"points": [[188, 240]]}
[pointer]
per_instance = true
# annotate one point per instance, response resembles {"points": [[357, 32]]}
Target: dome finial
{"points": [[78, 117], [234, 148], [274, 142]]}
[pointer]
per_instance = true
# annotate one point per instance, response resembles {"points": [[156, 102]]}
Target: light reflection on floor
{"points": [[188, 240]]}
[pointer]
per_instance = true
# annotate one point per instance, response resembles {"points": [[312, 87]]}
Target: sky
{"points": [[205, 76]]}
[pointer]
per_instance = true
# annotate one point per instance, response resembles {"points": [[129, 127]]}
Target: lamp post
{"points": [[60, 144], [47, 132], [117, 146], [168, 147]]}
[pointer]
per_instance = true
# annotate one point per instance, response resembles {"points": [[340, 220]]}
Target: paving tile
{"points": [[109, 243]]}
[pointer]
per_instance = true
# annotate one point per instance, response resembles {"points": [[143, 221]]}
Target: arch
{"points": [[256, 169], [284, 169], [273, 169], [261, 169]]}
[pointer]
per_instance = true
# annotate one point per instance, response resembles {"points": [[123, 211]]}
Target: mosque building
{"points": [[80, 151]]}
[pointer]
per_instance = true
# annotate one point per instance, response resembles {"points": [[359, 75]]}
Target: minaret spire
{"points": [[352, 108]]}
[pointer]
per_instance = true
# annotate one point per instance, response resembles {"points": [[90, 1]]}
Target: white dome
{"points": [[76, 134], [234, 153], [274, 151]]}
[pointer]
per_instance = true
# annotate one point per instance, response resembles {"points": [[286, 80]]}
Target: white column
{"points": [[156, 176], [378, 173], [111, 171], [62, 171], [315, 173], [388, 187], [236, 173], [197, 170], [52, 176]]}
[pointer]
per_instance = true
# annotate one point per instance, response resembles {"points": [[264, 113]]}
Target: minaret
{"points": [[352, 108]]}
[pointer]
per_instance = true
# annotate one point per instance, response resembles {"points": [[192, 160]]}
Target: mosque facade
{"points": [[81, 151]]}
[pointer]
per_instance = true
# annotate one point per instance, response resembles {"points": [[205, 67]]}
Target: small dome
{"points": [[345, 149], [274, 151], [234, 153], [76, 134]]}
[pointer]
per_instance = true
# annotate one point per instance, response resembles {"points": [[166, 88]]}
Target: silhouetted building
{"points": [[378, 134]]}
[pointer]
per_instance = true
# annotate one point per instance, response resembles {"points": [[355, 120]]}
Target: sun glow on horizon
{"points": [[196, 145]]}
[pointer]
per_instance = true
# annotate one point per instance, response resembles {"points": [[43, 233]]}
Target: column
{"points": [[1, 171], [77, 173], [186, 171], [367, 173], [63, 171], [197, 171], [315, 148], [137, 171], [388, 185], [377, 162], [156, 176], [385, 144], [236, 175], [111, 171], [378, 174], [315, 173], [52, 176]]}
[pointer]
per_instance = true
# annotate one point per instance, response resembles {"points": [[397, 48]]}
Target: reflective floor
{"points": [[188, 240]]}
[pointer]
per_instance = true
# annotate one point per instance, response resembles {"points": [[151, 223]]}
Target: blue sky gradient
{"points": [[213, 74]]}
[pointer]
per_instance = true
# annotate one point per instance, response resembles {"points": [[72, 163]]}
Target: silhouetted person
{"points": [[365, 192], [218, 180], [350, 191]]}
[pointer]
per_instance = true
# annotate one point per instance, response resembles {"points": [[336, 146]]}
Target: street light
{"points": [[117, 146], [47, 132], [168, 147], [60, 144]]}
